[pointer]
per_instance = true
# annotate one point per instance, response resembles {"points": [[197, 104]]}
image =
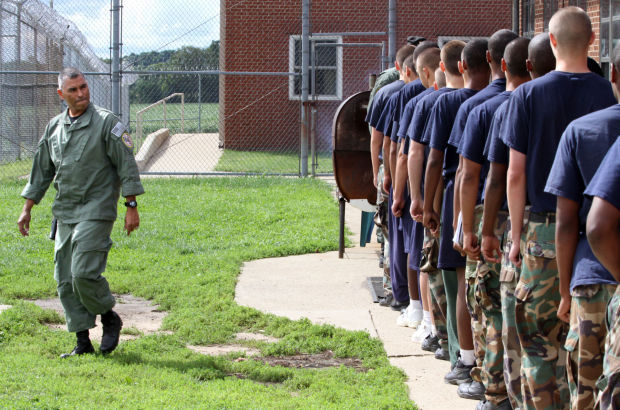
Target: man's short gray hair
{"points": [[68, 73]]}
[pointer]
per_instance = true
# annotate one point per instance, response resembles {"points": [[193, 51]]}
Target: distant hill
{"points": [[151, 88]]}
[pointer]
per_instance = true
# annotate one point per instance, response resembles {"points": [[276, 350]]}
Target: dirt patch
{"points": [[313, 361], [221, 350], [257, 337], [140, 316]]}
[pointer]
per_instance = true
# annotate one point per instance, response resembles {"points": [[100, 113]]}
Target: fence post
{"points": [[199, 103], [165, 115], [182, 112], [116, 59], [305, 61]]}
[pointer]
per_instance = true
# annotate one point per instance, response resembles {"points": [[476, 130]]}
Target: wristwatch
{"points": [[131, 204]]}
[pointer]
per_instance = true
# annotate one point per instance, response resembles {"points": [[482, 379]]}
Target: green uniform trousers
{"points": [[451, 286], [80, 256], [541, 332], [609, 383]]}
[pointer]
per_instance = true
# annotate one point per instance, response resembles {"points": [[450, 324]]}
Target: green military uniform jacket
{"points": [[90, 161], [386, 77]]}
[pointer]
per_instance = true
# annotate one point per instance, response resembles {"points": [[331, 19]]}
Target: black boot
{"points": [[112, 325], [83, 345]]}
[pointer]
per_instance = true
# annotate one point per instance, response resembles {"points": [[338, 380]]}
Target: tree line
{"points": [[151, 88]]}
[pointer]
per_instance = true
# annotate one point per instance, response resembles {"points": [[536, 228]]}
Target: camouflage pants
{"points": [[478, 327], [609, 383], [488, 298], [585, 342], [541, 333], [509, 277], [438, 291], [381, 220]]}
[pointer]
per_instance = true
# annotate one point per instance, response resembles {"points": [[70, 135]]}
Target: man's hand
{"points": [[431, 221], [24, 222], [515, 254], [417, 209], [397, 207], [471, 246], [564, 308], [132, 220], [24, 219], [387, 183], [490, 247]]}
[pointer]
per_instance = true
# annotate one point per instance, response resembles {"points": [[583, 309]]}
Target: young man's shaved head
{"points": [[422, 47], [516, 56], [404, 52], [540, 55], [498, 42], [451, 55], [572, 30], [475, 55]]}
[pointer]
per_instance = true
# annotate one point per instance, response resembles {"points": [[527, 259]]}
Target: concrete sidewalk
{"points": [[328, 290]]}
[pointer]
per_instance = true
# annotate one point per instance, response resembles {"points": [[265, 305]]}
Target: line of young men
{"points": [[476, 157]]}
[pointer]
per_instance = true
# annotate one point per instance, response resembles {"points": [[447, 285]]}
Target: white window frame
{"points": [[291, 65]]}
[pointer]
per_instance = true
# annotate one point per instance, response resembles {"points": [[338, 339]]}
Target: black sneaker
{"points": [[430, 343], [387, 300], [472, 391], [487, 405], [399, 306], [442, 354], [112, 325], [83, 346], [460, 374]]}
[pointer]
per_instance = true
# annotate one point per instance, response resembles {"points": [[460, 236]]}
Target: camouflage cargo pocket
{"points": [[487, 290], [430, 253]]}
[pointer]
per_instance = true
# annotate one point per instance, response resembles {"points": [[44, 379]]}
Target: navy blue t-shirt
{"points": [[496, 87], [378, 103], [440, 125], [538, 113], [495, 150], [419, 122], [582, 148], [409, 91], [476, 132], [606, 181], [385, 121], [407, 114]]}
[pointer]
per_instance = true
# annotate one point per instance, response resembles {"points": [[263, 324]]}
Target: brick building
{"points": [[263, 112], [534, 16]]}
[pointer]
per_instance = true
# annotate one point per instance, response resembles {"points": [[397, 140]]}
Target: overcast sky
{"points": [[147, 24]]}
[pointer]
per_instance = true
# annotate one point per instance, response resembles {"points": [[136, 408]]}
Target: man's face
{"points": [[76, 94]]}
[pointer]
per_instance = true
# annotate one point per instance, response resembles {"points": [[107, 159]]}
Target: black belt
{"points": [[542, 217]]}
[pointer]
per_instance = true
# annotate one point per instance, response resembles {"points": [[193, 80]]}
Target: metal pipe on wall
{"points": [[392, 32], [515, 16]]}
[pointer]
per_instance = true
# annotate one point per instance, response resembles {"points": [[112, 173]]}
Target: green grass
{"points": [[269, 162], [193, 238], [154, 118]]}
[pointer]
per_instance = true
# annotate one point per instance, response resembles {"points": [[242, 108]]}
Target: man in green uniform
{"points": [[88, 153]]}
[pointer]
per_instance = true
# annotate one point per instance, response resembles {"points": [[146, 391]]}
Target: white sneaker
{"points": [[420, 334], [403, 318], [415, 318]]}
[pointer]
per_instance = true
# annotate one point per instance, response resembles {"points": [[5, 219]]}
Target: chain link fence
{"points": [[188, 111]]}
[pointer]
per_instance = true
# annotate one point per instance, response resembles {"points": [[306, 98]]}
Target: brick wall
{"points": [[593, 10], [256, 113]]}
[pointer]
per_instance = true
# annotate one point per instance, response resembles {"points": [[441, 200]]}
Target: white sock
{"points": [[467, 357], [415, 304], [427, 318], [433, 330]]}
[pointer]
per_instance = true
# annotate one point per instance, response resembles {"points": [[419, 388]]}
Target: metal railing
{"points": [[140, 115]]}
